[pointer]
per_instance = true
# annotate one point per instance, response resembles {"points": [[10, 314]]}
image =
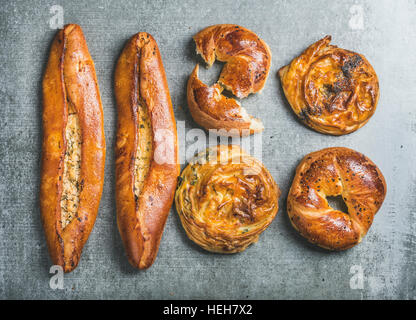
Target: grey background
{"points": [[281, 265]]}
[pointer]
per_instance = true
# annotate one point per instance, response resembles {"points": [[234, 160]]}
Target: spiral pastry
{"points": [[225, 199], [247, 57], [247, 63], [332, 90]]}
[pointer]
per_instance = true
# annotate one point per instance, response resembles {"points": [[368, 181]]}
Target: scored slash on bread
{"points": [[247, 62], [73, 150], [147, 164]]}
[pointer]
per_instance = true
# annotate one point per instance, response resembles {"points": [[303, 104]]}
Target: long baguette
{"points": [[146, 149], [73, 147]]}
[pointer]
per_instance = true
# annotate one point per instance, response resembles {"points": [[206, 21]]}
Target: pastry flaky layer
{"points": [[73, 149], [147, 165], [332, 90], [247, 62], [334, 172], [225, 199]]}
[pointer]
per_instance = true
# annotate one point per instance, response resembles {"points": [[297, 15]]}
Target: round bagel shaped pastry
{"points": [[225, 199], [332, 90], [335, 172], [247, 62]]}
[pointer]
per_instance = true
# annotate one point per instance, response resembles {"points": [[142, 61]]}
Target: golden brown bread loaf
{"points": [[332, 90], [73, 150], [247, 62], [146, 149], [225, 199], [334, 172]]}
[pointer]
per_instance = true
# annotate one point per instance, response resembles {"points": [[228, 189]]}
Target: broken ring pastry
{"points": [[225, 199], [335, 172], [332, 90], [247, 62], [73, 150], [147, 165]]}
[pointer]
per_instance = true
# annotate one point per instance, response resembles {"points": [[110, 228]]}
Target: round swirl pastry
{"points": [[225, 199], [332, 90], [212, 110], [247, 58], [247, 62], [333, 172]]}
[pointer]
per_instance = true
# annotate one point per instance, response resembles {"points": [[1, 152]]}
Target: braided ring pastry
{"points": [[225, 199], [247, 62], [334, 172], [332, 90]]}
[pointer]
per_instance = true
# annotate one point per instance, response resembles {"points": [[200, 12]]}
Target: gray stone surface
{"points": [[282, 264]]}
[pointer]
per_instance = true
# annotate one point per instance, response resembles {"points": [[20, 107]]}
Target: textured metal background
{"points": [[281, 264]]}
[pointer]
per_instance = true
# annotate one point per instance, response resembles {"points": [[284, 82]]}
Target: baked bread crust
{"points": [[140, 84], [333, 172], [70, 79], [332, 90], [212, 110], [226, 199], [247, 57], [247, 62]]}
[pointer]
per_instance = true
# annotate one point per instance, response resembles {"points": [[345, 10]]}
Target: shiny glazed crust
{"points": [[247, 62], [332, 90], [141, 86], [225, 199], [334, 172], [70, 82], [212, 110], [247, 58]]}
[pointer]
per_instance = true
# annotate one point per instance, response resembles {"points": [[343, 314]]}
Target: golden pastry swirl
{"points": [[247, 57], [247, 63], [225, 199], [332, 90]]}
